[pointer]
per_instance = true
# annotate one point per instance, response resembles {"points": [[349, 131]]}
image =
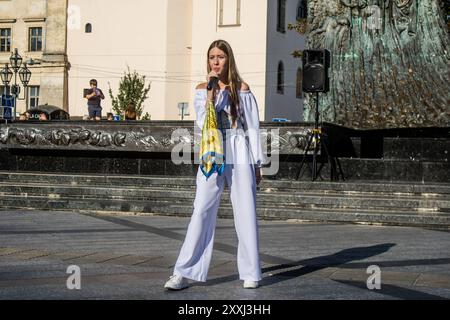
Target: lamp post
{"points": [[183, 107], [24, 75]]}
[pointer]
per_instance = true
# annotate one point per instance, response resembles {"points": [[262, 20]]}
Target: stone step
{"points": [[435, 193], [225, 201], [376, 170], [435, 221], [356, 202], [189, 181], [96, 180], [303, 199]]}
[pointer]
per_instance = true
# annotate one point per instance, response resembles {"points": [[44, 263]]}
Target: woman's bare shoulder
{"points": [[244, 86], [201, 86]]}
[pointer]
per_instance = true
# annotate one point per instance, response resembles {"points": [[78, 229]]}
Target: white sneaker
{"points": [[176, 283], [249, 284]]}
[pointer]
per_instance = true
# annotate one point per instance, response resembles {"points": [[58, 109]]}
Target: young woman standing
{"points": [[238, 120]]}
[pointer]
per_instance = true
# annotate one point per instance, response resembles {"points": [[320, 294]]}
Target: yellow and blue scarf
{"points": [[212, 158]]}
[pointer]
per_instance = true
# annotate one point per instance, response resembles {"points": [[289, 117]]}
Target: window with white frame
{"points": [[280, 78], [281, 16], [5, 39], [229, 13], [302, 10], [35, 39], [33, 96], [5, 90], [299, 91]]}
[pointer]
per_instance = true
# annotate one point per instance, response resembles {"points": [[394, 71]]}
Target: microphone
{"points": [[212, 82]]}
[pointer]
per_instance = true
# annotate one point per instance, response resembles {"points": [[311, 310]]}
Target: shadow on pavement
{"points": [[394, 291], [318, 263], [310, 265]]}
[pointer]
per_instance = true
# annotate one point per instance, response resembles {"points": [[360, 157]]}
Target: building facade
{"points": [[73, 41], [166, 40], [37, 28]]}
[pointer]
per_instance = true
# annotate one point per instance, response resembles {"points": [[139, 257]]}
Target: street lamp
{"points": [[6, 75], [24, 74]]}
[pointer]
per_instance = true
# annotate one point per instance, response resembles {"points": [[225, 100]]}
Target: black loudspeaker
{"points": [[315, 70]]}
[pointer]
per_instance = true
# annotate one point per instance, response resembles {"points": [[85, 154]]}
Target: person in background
{"points": [[43, 117], [24, 116], [109, 116], [130, 113], [94, 97]]}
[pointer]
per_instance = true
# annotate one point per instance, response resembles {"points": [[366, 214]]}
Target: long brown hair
{"points": [[234, 79]]}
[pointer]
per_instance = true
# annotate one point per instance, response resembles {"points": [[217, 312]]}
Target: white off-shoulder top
{"points": [[248, 117]]}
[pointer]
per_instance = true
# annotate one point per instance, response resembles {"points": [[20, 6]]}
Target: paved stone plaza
{"points": [[131, 257]]}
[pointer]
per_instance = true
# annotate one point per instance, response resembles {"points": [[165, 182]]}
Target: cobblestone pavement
{"points": [[131, 257]]}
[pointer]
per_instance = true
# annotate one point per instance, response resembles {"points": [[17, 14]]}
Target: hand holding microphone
{"points": [[213, 80], [213, 83]]}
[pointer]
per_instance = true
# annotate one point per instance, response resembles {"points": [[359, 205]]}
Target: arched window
{"points": [[281, 16], [280, 78], [302, 9], [88, 28], [299, 91]]}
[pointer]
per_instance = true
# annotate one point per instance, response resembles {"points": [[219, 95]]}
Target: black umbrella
{"points": [[52, 112]]}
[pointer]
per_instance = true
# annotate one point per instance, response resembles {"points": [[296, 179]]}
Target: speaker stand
{"points": [[319, 142]]}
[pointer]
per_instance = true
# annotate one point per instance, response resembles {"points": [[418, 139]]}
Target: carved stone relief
{"points": [[289, 140], [390, 62]]}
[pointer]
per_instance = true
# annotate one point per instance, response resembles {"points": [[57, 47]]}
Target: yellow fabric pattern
{"points": [[212, 158]]}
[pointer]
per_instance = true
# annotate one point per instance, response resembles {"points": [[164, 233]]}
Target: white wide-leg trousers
{"points": [[195, 255]]}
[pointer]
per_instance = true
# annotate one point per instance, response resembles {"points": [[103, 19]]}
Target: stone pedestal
{"points": [[150, 148]]}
